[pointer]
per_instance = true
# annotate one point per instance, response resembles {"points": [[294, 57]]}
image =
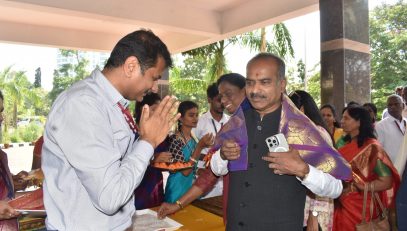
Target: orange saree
{"points": [[348, 210]]}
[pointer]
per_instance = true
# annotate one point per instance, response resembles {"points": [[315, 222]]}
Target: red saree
{"points": [[348, 210], [6, 191]]}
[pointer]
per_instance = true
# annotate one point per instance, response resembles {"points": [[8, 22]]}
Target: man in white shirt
{"points": [[93, 157], [397, 91], [211, 122], [270, 194], [390, 131]]}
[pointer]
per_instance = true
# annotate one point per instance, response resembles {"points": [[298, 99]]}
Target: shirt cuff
{"points": [[309, 177], [218, 165], [322, 184], [144, 150]]}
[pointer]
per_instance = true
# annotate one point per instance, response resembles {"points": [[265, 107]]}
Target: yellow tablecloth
{"points": [[196, 219]]}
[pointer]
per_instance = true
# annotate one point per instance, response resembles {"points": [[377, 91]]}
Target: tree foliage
{"points": [[279, 44], [202, 66], [388, 41], [18, 93], [190, 80], [37, 81], [68, 73], [301, 70]]}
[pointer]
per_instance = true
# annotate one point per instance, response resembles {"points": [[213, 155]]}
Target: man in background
{"points": [[397, 91], [211, 122], [390, 131]]}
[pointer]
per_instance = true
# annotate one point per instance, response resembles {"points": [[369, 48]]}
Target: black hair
{"points": [[352, 103], [333, 110], [183, 107], [144, 45], [373, 108], [303, 99], [366, 129], [233, 78], [212, 91], [150, 99], [278, 60], [1, 95]]}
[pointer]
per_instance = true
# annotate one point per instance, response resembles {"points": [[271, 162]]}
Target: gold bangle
{"points": [[193, 160], [179, 204]]}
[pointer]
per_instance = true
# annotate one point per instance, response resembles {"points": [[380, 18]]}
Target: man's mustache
{"points": [[256, 95]]}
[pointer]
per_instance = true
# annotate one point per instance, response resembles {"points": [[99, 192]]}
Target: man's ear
{"points": [[209, 100], [283, 84], [130, 65]]}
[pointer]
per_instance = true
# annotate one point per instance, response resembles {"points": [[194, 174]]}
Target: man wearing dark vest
{"points": [[270, 193]]}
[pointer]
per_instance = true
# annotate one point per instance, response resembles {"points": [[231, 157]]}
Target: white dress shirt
{"points": [[207, 124], [390, 133], [320, 183], [91, 160]]}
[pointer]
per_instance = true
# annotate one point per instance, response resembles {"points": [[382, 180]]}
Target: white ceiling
{"points": [[99, 24]]}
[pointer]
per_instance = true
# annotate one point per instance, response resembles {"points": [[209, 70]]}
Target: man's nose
{"points": [[255, 87]]}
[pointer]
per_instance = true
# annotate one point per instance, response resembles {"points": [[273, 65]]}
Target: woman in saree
{"points": [[8, 215], [189, 149], [328, 112], [370, 165], [231, 88]]}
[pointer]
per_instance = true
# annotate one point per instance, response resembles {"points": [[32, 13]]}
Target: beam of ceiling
{"points": [[181, 24]]}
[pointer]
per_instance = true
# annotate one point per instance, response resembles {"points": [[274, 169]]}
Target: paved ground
{"points": [[19, 158]]}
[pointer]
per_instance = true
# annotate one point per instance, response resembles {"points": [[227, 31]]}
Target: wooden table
{"points": [[195, 219], [212, 205]]}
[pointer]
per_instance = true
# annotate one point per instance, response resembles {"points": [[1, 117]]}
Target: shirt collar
{"points": [[112, 94], [222, 120], [403, 120]]}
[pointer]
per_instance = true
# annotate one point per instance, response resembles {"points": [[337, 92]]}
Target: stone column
{"points": [[345, 56]]}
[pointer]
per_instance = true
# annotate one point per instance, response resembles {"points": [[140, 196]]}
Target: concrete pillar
{"points": [[345, 52]]}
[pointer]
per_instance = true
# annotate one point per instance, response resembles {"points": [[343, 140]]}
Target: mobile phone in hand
{"points": [[277, 143]]}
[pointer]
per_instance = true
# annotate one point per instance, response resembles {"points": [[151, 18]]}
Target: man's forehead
{"points": [[260, 77], [394, 100]]}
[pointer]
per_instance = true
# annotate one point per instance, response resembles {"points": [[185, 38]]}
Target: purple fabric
{"points": [[301, 133], [234, 129]]}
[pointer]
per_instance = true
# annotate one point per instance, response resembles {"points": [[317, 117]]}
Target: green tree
{"points": [[388, 42], [189, 81], [68, 73], [214, 55], [192, 84], [17, 92], [301, 70], [280, 43], [314, 84], [37, 81]]}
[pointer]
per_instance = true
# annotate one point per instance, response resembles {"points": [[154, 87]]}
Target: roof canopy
{"points": [[99, 24]]}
